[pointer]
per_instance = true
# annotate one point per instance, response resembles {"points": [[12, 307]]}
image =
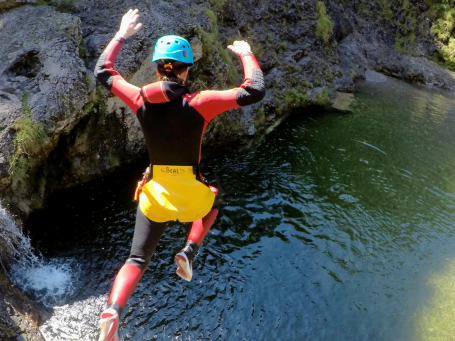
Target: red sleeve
{"points": [[212, 103], [111, 79]]}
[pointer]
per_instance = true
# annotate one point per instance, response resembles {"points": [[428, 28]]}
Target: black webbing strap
{"points": [[196, 169]]}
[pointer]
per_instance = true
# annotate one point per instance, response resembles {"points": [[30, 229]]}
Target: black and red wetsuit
{"points": [[173, 122]]}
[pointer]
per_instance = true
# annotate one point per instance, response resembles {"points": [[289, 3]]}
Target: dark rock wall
{"points": [[46, 70]]}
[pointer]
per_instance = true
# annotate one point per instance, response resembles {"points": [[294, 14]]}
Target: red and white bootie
{"points": [[109, 323], [184, 260]]}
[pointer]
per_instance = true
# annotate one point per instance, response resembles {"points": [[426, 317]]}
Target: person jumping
{"points": [[173, 122]]}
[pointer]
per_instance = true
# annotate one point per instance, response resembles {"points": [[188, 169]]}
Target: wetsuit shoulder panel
{"points": [[212, 103], [111, 78], [161, 92]]}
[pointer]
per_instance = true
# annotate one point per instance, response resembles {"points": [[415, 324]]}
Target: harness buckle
{"points": [[141, 183]]}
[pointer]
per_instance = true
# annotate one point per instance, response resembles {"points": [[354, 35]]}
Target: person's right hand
{"points": [[129, 25], [240, 47]]}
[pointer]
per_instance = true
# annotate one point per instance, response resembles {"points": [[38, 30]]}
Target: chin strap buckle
{"points": [[141, 183]]}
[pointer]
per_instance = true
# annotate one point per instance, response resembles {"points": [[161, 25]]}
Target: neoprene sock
{"points": [[202, 226], [124, 285]]}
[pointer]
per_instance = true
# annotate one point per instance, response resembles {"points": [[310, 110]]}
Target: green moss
{"points": [[405, 5], [208, 41], [296, 97], [324, 24], [282, 46], [96, 104], [113, 160], [443, 27], [18, 168], [30, 137], [217, 5], [322, 98], [212, 44], [294, 80], [29, 141], [260, 118], [25, 107], [212, 17], [227, 59], [447, 52], [442, 30]]}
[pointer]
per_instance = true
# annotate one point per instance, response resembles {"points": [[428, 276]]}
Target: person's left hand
{"points": [[129, 25]]}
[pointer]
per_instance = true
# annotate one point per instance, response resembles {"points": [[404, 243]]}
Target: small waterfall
{"points": [[13, 237], [45, 281]]}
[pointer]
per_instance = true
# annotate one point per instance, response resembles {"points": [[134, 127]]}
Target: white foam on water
{"points": [[46, 281], [76, 321], [49, 282]]}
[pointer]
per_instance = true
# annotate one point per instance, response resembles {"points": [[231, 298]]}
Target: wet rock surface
{"points": [[48, 54], [19, 319]]}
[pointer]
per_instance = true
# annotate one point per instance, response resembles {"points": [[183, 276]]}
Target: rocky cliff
{"points": [[58, 127]]}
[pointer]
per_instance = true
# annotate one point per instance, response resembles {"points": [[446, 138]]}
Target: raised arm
{"points": [[212, 103], [104, 69]]}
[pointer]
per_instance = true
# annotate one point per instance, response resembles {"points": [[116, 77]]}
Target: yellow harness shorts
{"points": [[175, 194]]}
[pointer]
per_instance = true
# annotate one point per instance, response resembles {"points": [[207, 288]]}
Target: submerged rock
{"points": [[342, 102]]}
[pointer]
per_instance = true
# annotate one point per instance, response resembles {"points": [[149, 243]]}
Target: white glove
{"points": [[129, 25], [240, 47]]}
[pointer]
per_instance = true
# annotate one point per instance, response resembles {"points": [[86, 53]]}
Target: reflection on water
{"points": [[331, 229], [436, 318]]}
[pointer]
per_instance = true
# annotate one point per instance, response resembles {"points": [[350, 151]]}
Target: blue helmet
{"points": [[173, 47]]}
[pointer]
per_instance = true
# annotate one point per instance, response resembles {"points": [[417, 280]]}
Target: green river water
{"points": [[335, 227]]}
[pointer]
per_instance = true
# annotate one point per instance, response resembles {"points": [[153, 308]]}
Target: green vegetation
{"points": [[113, 160], [296, 97], [409, 22], [212, 44], [217, 5], [322, 98], [443, 27], [260, 118], [324, 25], [30, 140], [227, 59], [443, 31], [96, 103]]}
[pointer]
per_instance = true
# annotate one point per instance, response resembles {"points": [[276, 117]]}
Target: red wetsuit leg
{"points": [[124, 285], [202, 226]]}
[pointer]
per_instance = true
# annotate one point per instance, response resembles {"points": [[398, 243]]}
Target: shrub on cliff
{"points": [[30, 140], [296, 97], [324, 25]]}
